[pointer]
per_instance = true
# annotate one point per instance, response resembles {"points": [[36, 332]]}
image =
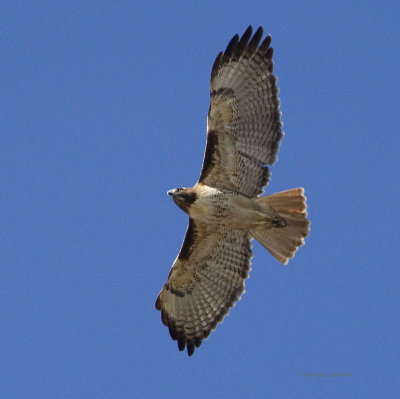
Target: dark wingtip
{"points": [[266, 42], [181, 343], [242, 44], [259, 31], [246, 35], [172, 331], [214, 70], [190, 349], [230, 48], [255, 40]]}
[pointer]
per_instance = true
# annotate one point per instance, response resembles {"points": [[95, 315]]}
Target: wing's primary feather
{"points": [[244, 128], [205, 281]]}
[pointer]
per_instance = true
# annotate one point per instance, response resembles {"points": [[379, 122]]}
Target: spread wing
{"points": [[243, 127], [205, 281]]}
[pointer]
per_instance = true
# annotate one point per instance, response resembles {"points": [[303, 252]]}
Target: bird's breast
{"points": [[211, 206], [225, 208]]}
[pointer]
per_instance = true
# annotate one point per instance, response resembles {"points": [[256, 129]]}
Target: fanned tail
{"points": [[283, 240]]}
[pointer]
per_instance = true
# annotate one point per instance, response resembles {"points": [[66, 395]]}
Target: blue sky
{"points": [[103, 109]]}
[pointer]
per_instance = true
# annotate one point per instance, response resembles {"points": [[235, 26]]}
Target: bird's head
{"points": [[183, 197]]}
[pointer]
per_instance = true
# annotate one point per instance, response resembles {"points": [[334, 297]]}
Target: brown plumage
{"points": [[243, 135]]}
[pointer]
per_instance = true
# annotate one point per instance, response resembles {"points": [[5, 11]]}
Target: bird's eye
{"points": [[179, 189]]}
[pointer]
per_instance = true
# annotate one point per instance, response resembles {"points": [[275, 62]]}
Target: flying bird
{"points": [[225, 211]]}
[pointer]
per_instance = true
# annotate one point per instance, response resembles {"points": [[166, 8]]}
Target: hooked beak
{"points": [[170, 192]]}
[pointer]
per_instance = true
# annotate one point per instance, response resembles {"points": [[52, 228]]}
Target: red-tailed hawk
{"points": [[225, 213]]}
